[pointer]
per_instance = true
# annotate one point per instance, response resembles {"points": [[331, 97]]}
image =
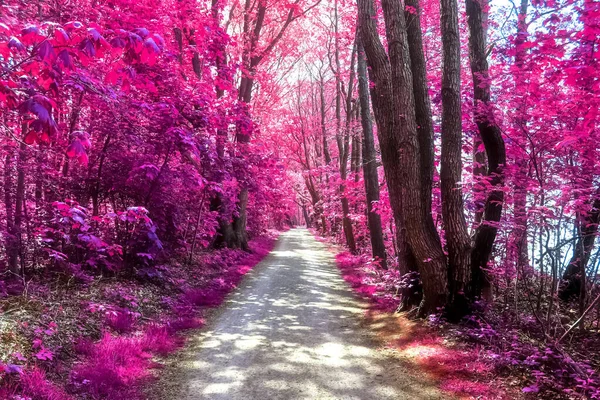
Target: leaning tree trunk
{"points": [[371, 178], [485, 235], [572, 284], [455, 225]]}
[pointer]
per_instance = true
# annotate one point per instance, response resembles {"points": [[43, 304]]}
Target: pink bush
{"points": [[113, 367], [116, 366]]}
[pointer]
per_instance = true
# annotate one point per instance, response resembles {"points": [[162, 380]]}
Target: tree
{"points": [[397, 133], [369, 164], [491, 137], [455, 226]]}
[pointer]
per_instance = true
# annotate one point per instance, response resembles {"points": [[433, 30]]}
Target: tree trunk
{"points": [[225, 234], [489, 131], [422, 103], [455, 225], [574, 277], [519, 234], [571, 285], [399, 144], [371, 178], [305, 215], [239, 223], [326, 155], [19, 202], [425, 245], [12, 247]]}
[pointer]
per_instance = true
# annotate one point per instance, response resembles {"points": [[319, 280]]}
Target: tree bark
{"points": [[344, 154], [485, 235], [571, 286], [574, 277], [326, 154], [519, 234], [369, 164], [455, 225], [12, 248], [399, 143], [225, 234], [422, 103], [19, 203]]}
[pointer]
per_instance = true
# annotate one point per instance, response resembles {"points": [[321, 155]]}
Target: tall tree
{"points": [[397, 130], [490, 133], [369, 164], [455, 226]]}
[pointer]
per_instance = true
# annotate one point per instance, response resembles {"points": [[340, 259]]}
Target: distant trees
{"points": [[118, 138]]}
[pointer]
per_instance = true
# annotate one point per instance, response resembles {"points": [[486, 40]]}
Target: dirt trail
{"points": [[292, 330]]}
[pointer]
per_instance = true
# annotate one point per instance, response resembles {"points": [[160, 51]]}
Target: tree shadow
{"points": [[292, 330]]}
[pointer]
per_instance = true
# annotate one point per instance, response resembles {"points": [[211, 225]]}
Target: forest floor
{"points": [[293, 329], [105, 339]]}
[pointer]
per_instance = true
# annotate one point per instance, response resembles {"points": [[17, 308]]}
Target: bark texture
{"points": [[455, 225], [485, 234], [399, 143], [422, 103], [369, 164]]}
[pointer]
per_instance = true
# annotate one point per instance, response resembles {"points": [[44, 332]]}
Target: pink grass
{"points": [[117, 366], [31, 385]]}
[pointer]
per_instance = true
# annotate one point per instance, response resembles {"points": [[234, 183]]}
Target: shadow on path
{"points": [[292, 330]]}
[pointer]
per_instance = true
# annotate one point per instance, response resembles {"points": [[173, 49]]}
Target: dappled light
{"points": [[429, 170], [293, 330]]}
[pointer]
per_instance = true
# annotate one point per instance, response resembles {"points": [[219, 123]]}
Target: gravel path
{"points": [[292, 330]]}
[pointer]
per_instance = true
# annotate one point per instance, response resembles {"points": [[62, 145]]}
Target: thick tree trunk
{"points": [[455, 225], [305, 215], [399, 143], [424, 244], [489, 131], [371, 178]]}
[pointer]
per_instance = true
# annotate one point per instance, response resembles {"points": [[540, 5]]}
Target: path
{"points": [[292, 330]]}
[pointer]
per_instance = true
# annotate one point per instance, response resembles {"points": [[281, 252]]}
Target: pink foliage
{"points": [[116, 366], [370, 281], [34, 385]]}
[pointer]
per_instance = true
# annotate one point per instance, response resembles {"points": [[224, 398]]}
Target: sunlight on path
{"points": [[292, 331]]}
